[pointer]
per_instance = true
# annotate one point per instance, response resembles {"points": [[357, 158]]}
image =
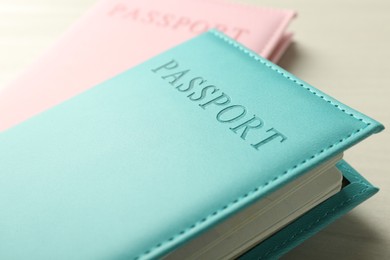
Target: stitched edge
{"points": [[255, 57], [288, 15], [257, 189], [319, 219], [316, 222]]}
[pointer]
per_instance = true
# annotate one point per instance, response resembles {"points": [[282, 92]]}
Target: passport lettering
{"points": [[249, 127], [173, 21]]}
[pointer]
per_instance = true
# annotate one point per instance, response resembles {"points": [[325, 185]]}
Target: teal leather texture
{"points": [[313, 221], [145, 161]]}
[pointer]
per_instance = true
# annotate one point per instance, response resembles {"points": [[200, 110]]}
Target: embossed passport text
{"points": [[118, 34]]}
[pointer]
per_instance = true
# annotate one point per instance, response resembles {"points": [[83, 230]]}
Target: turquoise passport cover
{"points": [[145, 161]]}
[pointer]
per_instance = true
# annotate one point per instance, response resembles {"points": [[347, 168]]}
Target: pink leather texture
{"points": [[115, 35]]}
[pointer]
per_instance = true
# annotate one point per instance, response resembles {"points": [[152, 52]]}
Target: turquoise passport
{"points": [[148, 161]]}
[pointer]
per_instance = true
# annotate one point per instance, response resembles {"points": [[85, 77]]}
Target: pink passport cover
{"points": [[117, 34]]}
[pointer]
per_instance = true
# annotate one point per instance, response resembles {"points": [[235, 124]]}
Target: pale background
{"points": [[341, 47]]}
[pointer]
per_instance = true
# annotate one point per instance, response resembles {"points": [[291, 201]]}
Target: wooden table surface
{"points": [[341, 47]]}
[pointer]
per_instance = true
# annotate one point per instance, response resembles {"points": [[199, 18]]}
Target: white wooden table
{"points": [[341, 47]]}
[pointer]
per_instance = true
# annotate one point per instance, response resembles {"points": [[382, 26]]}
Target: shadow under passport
{"points": [[290, 58]]}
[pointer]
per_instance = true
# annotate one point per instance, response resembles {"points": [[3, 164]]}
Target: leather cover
{"points": [[357, 191], [118, 34], [151, 158]]}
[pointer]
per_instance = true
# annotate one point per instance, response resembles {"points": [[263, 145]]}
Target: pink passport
{"points": [[117, 34]]}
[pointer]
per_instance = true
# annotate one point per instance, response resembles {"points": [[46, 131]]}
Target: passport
{"points": [[147, 162], [115, 35]]}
